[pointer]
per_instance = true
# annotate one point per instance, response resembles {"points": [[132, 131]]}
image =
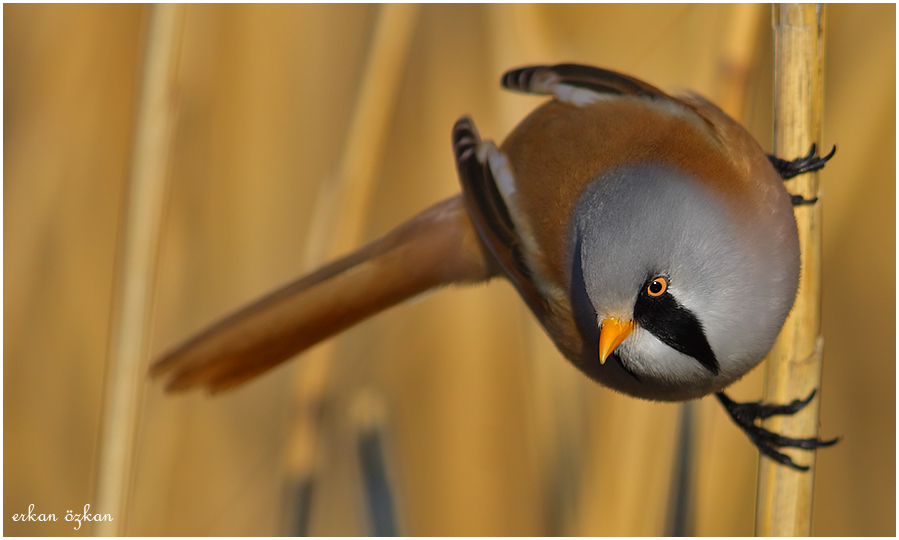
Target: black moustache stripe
{"points": [[675, 326]]}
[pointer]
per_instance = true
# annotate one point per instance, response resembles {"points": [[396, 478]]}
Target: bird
{"points": [[649, 234]]}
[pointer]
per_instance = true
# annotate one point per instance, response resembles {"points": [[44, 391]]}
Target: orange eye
{"points": [[657, 287]]}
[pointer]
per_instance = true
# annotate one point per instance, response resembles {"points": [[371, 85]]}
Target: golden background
{"points": [[490, 431]]}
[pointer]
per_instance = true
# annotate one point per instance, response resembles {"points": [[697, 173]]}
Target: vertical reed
{"points": [[129, 334], [793, 369]]}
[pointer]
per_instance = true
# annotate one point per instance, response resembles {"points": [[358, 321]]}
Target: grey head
{"points": [[707, 288]]}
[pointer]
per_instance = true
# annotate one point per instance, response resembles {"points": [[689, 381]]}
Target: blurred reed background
{"points": [[483, 428]]}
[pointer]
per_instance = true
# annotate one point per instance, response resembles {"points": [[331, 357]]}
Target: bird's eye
{"points": [[657, 287]]}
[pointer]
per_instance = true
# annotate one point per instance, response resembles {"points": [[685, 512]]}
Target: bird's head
{"points": [[675, 293]]}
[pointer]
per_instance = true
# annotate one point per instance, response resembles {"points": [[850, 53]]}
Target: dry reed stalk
{"points": [[131, 321], [337, 226], [793, 369]]}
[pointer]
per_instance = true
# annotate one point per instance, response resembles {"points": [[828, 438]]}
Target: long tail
{"points": [[437, 247]]}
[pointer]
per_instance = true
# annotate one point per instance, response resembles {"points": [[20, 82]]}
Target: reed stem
{"points": [[129, 334], [793, 369]]}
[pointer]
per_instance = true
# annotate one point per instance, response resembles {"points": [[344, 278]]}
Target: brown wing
{"points": [[491, 217], [560, 147], [543, 80], [721, 134], [437, 247], [540, 80]]}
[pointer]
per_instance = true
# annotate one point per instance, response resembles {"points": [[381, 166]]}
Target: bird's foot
{"points": [[768, 443], [808, 163]]}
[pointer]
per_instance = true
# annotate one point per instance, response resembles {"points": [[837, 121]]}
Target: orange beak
{"points": [[611, 334]]}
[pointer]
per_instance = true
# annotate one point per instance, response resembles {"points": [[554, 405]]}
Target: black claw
{"points": [[745, 415], [799, 200], [830, 154], [808, 163]]}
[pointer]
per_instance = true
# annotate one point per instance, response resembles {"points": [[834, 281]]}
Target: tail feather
{"points": [[437, 247]]}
